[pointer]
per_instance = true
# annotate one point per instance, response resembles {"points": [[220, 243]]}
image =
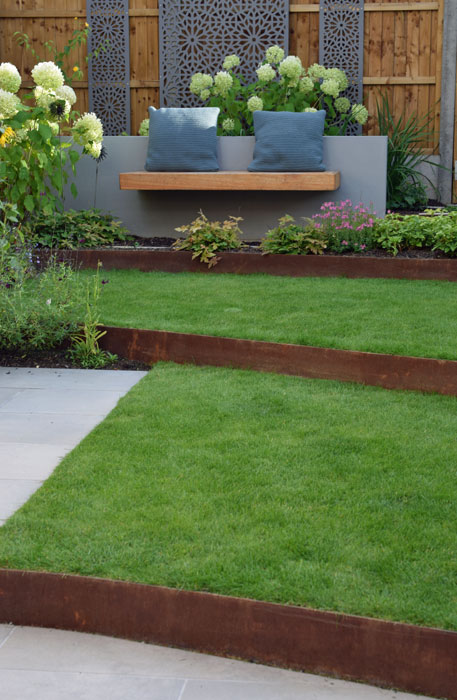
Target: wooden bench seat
{"points": [[229, 180]]}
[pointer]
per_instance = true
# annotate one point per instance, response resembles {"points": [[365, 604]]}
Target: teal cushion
{"points": [[182, 139], [288, 141]]}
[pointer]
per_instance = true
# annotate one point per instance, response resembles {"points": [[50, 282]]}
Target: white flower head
{"points": [[205, 94], [306, 85], [9, 104], [231, 62], [266, 73], [88, 129], [329, 86], [93, 149], [44, 97], [274, 54], [342, 105], [339, 76], [291, 67], [228, 125], [199, 82], [67, 93], [310, 109], [316, 71], [48, 302], [47, 75], [255, 104], [10, 78], [223, 82], [359, 113], [144, 128]]}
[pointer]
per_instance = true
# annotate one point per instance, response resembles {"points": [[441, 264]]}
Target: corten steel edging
{"points": [[388, 371], [279, 265], [407, 657]]}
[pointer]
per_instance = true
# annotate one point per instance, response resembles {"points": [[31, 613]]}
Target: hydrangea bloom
{"points": [[44, 97], [291, 68], [359, 113], [310, 109], [255, 104], [199, 82], [93, 149], [316, 71], [266, 72], [9, 104], [274, 54], [228, 124], [205, 94], [88, 129], [144, 128], [342, 105], [67, 93], [306, 85], [10, 79], [223, 82], [330, 87], [231, 62], [338, 75], [47, 75]]}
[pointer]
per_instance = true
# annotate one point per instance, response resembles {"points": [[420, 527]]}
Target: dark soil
{"points": [[57, 358]]}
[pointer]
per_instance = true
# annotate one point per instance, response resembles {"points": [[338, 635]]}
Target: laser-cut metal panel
{"points": [[109, 71], [196, 35], [341, 44]]}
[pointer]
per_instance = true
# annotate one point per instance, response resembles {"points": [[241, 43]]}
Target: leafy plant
{"points": [[293, 239], [15, 255], [435, 229], [205, 238], [85, 349], [346, 227], [405, 152], [76, 229]]}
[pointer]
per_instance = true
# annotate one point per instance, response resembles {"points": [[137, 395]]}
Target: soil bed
{"points": [[57, 358]]}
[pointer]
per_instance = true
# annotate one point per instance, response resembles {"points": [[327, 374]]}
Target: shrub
{"points": [[15, 255], [293, 239], [435, 229], [346, 228], [204, 238], [76, 229]]}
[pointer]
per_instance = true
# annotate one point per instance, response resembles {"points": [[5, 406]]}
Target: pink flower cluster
{"points": [[343, 216]]}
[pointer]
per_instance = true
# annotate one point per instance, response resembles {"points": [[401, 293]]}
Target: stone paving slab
{"points": [[46, 428], [62, 401], [14, 493], [53, 664], [29, 460], [93, 379], [7, 394]]}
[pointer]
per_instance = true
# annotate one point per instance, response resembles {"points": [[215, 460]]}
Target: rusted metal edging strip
{"points": [[406, 657], [376, 369], [279, 265]]}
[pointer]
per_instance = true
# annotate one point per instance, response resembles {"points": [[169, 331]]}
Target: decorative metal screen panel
{"points": [[109, 71], [196, 35], [341, 44]]}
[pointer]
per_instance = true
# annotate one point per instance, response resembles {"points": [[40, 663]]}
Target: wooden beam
{"points": [[144, 13], [145, 83], [377, 7], [225, 180], [400, 80], [38, 14]]}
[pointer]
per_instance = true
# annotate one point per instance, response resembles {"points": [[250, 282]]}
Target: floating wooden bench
{"points": [[228, 180]]}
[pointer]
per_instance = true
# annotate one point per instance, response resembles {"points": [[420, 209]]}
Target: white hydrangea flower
{"points": [[342, 105], [93, 149], [330, 87], [316, 71], [47, 75], [144, 127], [255, 104], [338, 75], [205, 94], [88, 129], [199, 82], [10, 78], [359, 113], [310, 109], [274, 54], [228, 124], [44, 97], [67, 93], [306, 85], [223, 82], [266, 72], [9, 104], [54, 127], [231, 62], [291, 67]]}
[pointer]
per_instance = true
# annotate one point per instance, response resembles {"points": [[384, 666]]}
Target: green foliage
{"points": [[41, 310], [85, 350], [435, 229], [293, 239], [205, 238], [76, 229], [405, 152], [15, 256]]}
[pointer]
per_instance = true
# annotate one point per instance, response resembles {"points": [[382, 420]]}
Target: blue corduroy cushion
{"points": [[288, 142], [182, 139]]}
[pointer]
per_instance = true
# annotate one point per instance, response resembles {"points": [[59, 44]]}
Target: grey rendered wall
{"points": [[360, 159]]}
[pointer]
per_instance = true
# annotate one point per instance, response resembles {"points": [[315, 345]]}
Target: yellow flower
{"points": [[86, 25], [6, 136], [75, 69]]}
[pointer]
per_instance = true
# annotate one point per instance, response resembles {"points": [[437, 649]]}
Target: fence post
{"points": [[447, 118]]}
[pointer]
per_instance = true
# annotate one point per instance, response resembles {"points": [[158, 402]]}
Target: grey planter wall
{"points": [[362, 161]]}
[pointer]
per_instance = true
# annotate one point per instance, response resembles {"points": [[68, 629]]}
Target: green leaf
{"points": [[45, 131], [29, 203]]}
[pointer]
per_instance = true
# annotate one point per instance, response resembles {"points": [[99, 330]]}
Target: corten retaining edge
{"points": [[407, 657], [376, 369], [281, 265]]}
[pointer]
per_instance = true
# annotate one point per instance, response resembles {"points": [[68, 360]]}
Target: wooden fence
{"points": [[402, 48]]}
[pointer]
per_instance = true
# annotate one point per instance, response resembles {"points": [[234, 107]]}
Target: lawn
{"points": [[392, 316], [336, 496]]}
